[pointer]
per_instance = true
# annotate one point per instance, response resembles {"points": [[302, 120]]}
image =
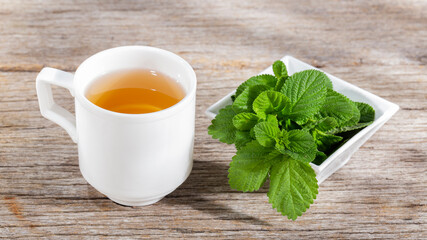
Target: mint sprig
{"points": [[279, 124]]}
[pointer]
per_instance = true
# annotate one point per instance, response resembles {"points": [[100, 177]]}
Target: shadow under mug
{"points": [[133, 159]]}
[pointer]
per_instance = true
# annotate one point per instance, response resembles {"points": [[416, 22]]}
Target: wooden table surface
{"points": [[380, 46]]}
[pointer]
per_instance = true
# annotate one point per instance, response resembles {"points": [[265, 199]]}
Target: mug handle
{"points": [[48, 108]]}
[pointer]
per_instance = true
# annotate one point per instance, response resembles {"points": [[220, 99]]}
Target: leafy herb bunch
{"points": [[279, 124]]}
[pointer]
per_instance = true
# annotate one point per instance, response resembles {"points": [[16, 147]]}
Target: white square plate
{"points": [[384, 110]]}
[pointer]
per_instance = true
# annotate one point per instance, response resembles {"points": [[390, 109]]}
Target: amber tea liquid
{"points": [[135, 91]]}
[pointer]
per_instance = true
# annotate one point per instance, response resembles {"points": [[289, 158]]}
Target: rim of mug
{"points": [[79, 93]]}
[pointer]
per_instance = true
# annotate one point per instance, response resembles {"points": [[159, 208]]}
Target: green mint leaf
{"points": [[266, 133], [243, 102], [355, 116], [267, 80], [280, 83], [367, 113], [293, 187], [251, 156], [348, 128], [245, 121], [326, 124], [305, 157], [306, 91], [272, 119], [242, 138], [270, 102], [301, 146], [250, 166], [337, 106], [325, 141], [299, 141], [222, 127], [279, 69]]}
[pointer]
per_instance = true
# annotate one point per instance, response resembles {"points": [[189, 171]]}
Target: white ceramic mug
{"points": [[134, 159]]}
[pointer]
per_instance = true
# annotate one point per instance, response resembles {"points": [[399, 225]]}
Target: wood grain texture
{"points": [[379, 45]]}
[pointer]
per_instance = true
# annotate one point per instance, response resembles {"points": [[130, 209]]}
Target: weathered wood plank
{"points": [[380, 46]]}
